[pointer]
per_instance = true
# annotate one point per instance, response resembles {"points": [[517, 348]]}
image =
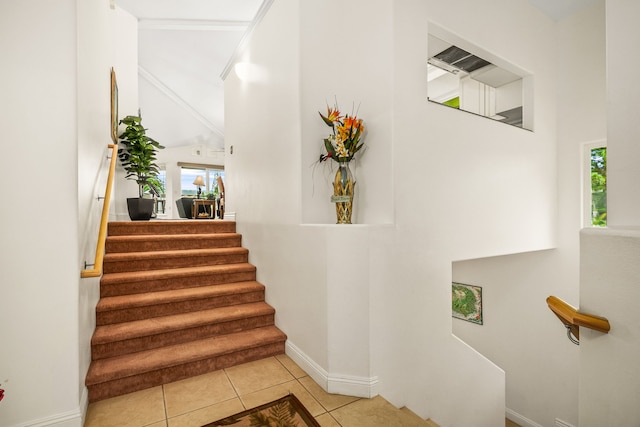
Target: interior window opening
{"points": [[466, 81]]}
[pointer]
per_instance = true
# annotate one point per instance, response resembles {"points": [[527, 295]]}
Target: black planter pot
{"points": [[140, 209]]}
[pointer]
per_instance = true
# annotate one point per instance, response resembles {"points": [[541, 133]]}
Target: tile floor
{"points": [[200, 400], [209, 397]]}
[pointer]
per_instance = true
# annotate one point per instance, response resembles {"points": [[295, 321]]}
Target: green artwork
{"points": [[466, 302]]}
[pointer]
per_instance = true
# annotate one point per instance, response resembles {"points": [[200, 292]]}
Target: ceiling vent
{"points": [[461, 59]]}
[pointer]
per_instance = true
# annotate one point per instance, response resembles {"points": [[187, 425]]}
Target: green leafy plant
{"points": [[154, 184], [138, 152]]}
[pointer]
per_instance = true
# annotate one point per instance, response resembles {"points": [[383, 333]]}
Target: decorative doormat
{"points": [[285, 412]]}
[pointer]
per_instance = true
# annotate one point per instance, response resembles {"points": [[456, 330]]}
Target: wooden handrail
{"points": [[573, 319], [96, 271]]}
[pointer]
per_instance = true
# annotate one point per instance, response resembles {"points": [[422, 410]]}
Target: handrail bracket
{"points": [[572, 319]]}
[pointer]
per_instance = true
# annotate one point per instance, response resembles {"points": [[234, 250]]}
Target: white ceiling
{"points": [[184, 45]]}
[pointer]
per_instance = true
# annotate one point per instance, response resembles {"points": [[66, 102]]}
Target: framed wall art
{"points": [[466, 302], [114, 107]]}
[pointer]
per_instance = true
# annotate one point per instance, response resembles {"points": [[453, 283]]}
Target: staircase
{"points": [[177, 299]]}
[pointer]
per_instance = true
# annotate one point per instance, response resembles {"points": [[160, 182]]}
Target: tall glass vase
{"points": [[343, 190]]}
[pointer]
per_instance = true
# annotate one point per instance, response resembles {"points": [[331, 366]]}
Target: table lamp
{"points": [[200, 183]]}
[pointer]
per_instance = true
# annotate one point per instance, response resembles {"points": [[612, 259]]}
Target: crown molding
{"points": [[264, 8], [192, 25]]}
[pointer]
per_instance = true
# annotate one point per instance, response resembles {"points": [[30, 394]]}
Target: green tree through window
{"points": [[599, 187]]}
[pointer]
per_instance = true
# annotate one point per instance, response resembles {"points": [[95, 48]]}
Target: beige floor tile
{"points": [[375, 412], [258, 375], [261, 397], [130, 410], [159, 424], [291, 366], [326, 420], [207, 415], [197, 392], [327, 400]]}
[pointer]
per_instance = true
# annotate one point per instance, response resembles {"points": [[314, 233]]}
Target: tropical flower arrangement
{"points": [[345, 138]]}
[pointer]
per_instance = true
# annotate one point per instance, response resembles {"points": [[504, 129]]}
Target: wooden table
{"points": [[203, 202]]}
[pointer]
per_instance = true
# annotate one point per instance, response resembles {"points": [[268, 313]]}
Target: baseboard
{"points": [[520, 419], [353, 386], [67, 419], [315, 371], [84, 403], [338, 384], [560, 423]]}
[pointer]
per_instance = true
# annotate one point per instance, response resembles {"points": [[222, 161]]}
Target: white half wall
{"points": [[609, 370]]}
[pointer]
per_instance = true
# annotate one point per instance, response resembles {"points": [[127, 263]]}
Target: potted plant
{"points": [[137, 153]]}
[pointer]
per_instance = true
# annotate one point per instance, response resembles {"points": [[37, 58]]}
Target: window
{"points": [[209, 174], [158, 183], [595, 184], [461, 79], [598, 186]]}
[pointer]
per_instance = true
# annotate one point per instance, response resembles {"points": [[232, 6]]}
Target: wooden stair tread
{"points": [[169, 227], [160, 237], [137, 276], [146, 361], [158, 325], [179, 253], [162, 242], [172, 296]]}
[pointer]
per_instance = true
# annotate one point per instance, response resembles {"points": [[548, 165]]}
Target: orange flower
{"points": [[349, 122], [345, 139], [333, 115]]}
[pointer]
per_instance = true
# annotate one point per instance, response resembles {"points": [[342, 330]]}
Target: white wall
{"points": [[328, 76], [392, 296], [522, 335], [40, 272], [609, 374], [609, 370], [623, 89], [541, 364], [107, 38], [94, 53], [56, 84]]}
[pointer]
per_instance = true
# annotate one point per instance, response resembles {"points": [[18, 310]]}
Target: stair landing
{"points": [[210, 397]]}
